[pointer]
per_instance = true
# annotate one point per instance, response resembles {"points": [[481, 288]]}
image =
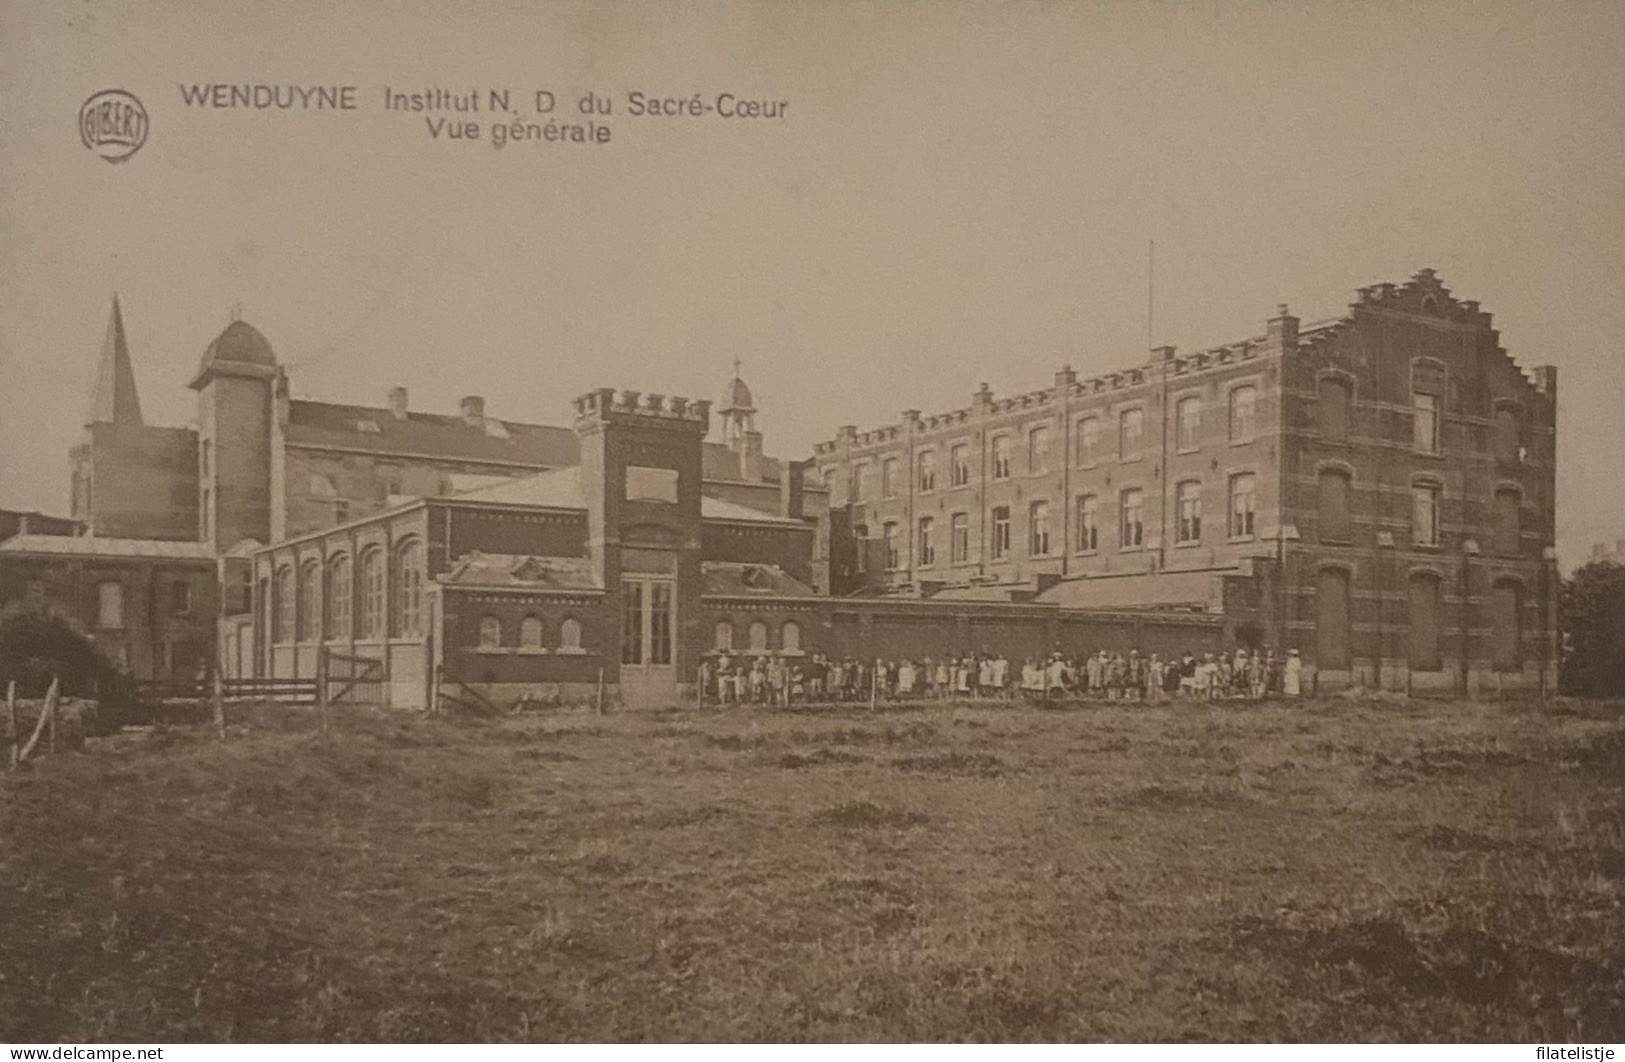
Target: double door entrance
{"points": [[648, 641]]}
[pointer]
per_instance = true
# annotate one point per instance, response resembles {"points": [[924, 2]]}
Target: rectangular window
{"points": [[1001, 532], [860, 477], [1425, 422], [180, 597], [1332, 504], [1037, 448], [888, 536], [928, 471], [662, 605], [632, 622], [1241, 505], [961, 461], [959, 532], [1188, 423], [1425, 514], [110, 606], [1038, 528], [1131, 532], [1088, 528], [1001, 457], [928, 548], [1088, 441], [651, 484], [1243, 401], [1130, 432], [1190, 512], [888, 478]]}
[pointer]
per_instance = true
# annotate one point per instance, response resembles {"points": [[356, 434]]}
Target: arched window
{"points": [[1506, 629], [1424, 622], [1189, 496], [1508, 434], [490, 632], [1332, 619], [337, 590], [408, 597], [1508, 522], [758, 635], [1333, 505], [790, 636], [725, 634], [530, 633], [1188, 423], [1243, 405], [308, 597], [1001, 457], [570, 635], [1334, 402], [372, 594], [283, 592]]}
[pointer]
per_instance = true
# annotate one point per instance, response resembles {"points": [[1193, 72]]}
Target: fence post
{"points": [[600, 691], [219, 705], [321, 685], [46, 711], [11, 722]]}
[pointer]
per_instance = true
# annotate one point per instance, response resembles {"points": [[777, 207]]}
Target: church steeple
{"points": [[114, 400]]}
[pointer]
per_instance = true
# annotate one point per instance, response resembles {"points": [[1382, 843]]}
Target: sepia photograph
{"points": [[840, 522]]}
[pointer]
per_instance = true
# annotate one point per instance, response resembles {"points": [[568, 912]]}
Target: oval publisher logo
{"points": [[113, 124]]}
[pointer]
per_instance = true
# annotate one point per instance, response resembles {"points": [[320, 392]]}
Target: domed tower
{"points": [[236, 383], [736, 414]]}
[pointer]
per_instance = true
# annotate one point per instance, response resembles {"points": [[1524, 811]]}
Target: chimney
{"points": [[750, 457], [793, 490], [1283, 329], [397, 402], [22, 523], [474, 411]]}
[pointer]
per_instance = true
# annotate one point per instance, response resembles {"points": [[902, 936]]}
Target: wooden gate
{"points": [[352, 679]]}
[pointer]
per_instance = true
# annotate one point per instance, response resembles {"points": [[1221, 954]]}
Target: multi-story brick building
{"points": [[1386, 479], [260, 466], [1375, 491]]}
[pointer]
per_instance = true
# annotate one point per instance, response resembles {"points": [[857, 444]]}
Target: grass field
{"points": [[1327, 871]]}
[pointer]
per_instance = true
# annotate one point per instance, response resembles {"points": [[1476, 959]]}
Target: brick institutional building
{"points": [[1376, 491]]}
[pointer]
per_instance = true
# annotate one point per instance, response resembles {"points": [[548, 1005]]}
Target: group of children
{"points": [[773, 679]]}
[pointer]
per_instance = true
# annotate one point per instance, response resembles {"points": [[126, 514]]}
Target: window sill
{"points": [[1248, 441], [1194, 543], [1086, 552], [1131, 549], [1187, 450], [1131, 460], [1234, 540]]}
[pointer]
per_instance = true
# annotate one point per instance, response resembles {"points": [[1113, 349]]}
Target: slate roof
{"points": [[331, 424], [96, 546], [1141, 591], [516, 571], [737, 580], [561, 489]]}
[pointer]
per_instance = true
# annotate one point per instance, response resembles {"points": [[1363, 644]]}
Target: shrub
{"points": [[1592, 613], [36, 647]]}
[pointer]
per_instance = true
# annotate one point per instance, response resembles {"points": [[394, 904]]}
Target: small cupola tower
{"points": [[736, 413]]}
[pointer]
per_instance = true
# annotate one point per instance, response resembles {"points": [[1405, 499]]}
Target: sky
{"points": [[956, 193]]}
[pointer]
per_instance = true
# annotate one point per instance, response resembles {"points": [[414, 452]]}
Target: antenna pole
{"points": [[1150, 290]]}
